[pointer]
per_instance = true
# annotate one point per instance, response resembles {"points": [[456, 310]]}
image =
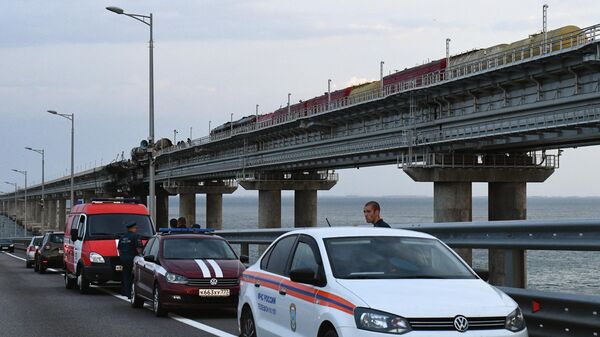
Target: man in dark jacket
{"points": [[371, 212], [130, 245]]}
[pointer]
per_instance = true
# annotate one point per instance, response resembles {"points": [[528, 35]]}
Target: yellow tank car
{"points": [[560, 38], [360, 92]]}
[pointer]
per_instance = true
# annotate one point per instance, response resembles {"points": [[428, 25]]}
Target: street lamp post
{"points": [[25, 202], [41, 152], [15, 185], [147, 20], [70, 117], [328, 94]]}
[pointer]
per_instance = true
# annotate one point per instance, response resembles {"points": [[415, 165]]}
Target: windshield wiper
{"points": [[422, 277]]}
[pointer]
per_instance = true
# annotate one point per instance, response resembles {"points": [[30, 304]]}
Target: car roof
{"points": [[110, 208], [164, 236], [335, 232]]}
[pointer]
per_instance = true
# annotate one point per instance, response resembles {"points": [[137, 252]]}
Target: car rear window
{"points": [[114, 225], [197, 248], [57, 238]]}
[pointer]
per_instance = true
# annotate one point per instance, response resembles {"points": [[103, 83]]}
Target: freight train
{"points": [[414, 77]]}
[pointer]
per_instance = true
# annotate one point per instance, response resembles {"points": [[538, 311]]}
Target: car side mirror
{"points": [[73, 234], [483, 274], [303, 275], [149, 258], [244, 259]]}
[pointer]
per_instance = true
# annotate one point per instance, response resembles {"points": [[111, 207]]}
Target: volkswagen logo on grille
{"points": [[461, 324], [213, 282]]}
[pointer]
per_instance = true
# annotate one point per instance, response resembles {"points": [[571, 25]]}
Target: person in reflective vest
{"points": [[130, 245]]}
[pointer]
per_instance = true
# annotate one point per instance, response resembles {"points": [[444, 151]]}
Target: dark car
{"points": [[187, 270], [50, 253], [7, 245]]}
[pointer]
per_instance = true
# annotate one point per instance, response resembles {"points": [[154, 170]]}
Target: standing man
{"points": [[130, 245], [181, 222], [173, 223], [371, 212]]}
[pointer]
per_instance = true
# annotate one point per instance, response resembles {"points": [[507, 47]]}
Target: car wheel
{"points": [[330, 333], [136, 301], [27, 264], [247, 324], [41, 267], [83, 283], [36, 266], [157, 307], [69, 282]]}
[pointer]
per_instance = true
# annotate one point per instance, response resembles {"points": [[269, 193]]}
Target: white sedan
{"points": [[355, 281]]}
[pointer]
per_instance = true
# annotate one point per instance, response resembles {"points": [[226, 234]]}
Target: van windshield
{"points": [[113, 225]]}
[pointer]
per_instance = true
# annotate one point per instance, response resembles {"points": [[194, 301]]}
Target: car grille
{"points": [[475, 323], [205, 282]]}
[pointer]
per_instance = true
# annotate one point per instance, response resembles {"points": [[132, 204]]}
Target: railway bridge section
{"points": [[498, 119]]}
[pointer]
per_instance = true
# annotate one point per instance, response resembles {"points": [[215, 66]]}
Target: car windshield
{"points": [[57, 238], [5, 241], [393, 257], [197, 248], [114, 225]]}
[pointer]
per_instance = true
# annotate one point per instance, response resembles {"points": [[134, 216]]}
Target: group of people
{"points": [[181, 223]]}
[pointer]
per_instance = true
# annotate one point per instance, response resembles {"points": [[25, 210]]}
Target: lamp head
{"points": [[28, 148], [115, 9], [53, 112]]}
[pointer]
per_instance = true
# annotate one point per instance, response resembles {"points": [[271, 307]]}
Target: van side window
{"points": [[81, 227]]}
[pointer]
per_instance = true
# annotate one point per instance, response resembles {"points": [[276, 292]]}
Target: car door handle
{"points": [[282, 291], [257, 284]]}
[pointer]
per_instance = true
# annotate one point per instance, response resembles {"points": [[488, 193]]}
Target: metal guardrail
{"points": [[550, 314]]}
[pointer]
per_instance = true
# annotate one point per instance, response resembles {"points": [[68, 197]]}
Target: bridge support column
{"points": [[305, 208], [453, 202], [52, 221], [62, 213], [37, 212], [507, 201], [214, 190], [162, 209], [187, 207], [269, 208], [214, 210], [305, 185]]}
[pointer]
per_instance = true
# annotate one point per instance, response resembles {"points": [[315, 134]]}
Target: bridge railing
{"points": [[533, 159], [547, 314]]}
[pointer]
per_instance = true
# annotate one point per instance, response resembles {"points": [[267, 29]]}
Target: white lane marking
{"points": [[216, 268], [178, 318], [203, 267], [16, 257], [201, 326]]}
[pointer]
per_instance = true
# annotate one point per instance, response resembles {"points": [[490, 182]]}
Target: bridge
{"points": [[493, 119]]}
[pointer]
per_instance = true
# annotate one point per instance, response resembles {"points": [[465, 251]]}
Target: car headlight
{"points": [[175, 278], [515, 321], [11, 245], [96, 258], [379, 321]]}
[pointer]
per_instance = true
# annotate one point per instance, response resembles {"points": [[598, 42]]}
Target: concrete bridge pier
{"points": [[214, 190], [162, 208], [507, 201], [305, 186], [62, 213], [453, 202], [51, 219]]}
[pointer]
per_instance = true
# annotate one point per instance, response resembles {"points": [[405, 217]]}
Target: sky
{"points": [[213, 58]]}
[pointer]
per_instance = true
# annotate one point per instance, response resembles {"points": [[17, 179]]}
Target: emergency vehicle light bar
{"points": [[115, 200], [186, 230]]}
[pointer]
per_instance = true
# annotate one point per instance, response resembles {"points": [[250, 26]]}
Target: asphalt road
{"points": [[33, 304]]}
